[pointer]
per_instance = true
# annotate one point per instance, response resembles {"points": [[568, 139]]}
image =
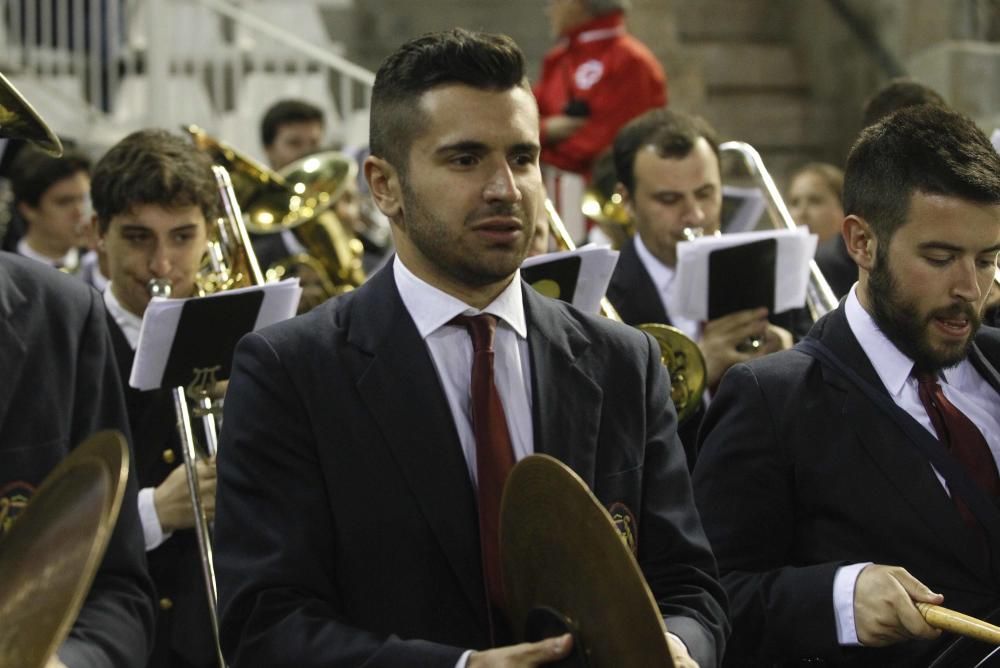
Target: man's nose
{"points": [[965, 281], [502, 186], [160, 261]]}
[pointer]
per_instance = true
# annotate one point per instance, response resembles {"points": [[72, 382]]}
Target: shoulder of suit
{"points": [[988, 340], [63, 294]]}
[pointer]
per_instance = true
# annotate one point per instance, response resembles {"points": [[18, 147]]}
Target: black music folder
{"points": [[579, 276], [182, 340], [741, 277]]}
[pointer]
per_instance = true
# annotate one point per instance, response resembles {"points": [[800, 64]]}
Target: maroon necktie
{"points": [[962, 438], [494, 454]]}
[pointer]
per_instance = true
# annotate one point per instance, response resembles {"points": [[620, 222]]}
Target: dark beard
{"points": [[906, 328]]}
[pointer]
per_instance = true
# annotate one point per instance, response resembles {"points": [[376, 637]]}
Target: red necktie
{"points": [[961, 437], [494, 454]]}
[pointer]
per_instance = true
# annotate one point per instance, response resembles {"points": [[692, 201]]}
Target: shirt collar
{"points": [[127, 321], [661, 274], [68, 261], [891, 365], [432, 308]]}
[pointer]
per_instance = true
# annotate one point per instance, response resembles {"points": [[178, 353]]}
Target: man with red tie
{"points": [[366, 443], [845, 481]]}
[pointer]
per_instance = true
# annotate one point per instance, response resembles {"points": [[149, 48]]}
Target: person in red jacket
{"points": [[595, 80]]}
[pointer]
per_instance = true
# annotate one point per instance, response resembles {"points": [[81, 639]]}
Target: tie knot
{"points": [[481, 328], [926, 378]]}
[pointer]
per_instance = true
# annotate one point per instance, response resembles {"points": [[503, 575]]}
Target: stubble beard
{"points": [[908, 329], [439, 244]]}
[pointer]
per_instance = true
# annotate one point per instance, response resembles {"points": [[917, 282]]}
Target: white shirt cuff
{"points": [[152, 532], [843, 602], [464, 659]]}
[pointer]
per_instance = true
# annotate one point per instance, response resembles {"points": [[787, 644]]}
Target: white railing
{"points": [[100, 68]]}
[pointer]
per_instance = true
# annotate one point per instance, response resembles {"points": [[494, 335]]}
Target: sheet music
{"points": [[597, 263], [159, 326], [688, 295]]}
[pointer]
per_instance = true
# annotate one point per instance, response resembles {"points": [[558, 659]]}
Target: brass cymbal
{"points": [[19, 120], [561, 550], [686, 364], [50, 555]]}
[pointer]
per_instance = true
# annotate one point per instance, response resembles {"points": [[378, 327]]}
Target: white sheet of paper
{"points": [[688, 295], [995, 139], [597, 263], [159, 325]]}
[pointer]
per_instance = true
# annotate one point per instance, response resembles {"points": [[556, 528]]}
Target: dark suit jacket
{"points": [[800, 474], [60, 385], [346, 527], [183, 627]]}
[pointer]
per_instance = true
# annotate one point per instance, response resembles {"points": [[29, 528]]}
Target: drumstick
{"points": [[956, 622]]}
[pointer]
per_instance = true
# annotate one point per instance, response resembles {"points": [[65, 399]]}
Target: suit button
{"points": [[168, 456], [166, 604]]}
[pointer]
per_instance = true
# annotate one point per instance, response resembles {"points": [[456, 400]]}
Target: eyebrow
{"points": [[472, 146], [942, 245]]}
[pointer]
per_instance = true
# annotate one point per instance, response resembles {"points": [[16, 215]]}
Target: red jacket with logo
{"points": [[602, 65]]}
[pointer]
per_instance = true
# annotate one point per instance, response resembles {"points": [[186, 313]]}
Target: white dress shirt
{"points": [[961, 384], [129, 323], [663, 276], [69, 261], [450, 347]]}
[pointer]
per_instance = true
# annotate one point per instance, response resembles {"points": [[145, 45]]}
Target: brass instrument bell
{"points": [[19, 120], [610, 215]]}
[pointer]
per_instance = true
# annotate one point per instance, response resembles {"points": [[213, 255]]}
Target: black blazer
{"points": [[800, 474], [183, 626], [346, 526], [60, 385]]}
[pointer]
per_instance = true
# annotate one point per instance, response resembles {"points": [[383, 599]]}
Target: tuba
{"points": [[301, 198], [678, 352]]}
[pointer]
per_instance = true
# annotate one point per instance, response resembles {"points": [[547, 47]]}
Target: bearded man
{"points": [[844, 481]]}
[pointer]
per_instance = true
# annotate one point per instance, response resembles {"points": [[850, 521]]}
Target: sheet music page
{"points": [[159, 326], [689, 291], [597, 263]]}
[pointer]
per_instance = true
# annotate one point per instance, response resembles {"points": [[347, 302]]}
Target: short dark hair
{"points": [[152, 167], [284, 112], [482, 60], [672, 133], [927, 149], [898, 94], [35, 171]]}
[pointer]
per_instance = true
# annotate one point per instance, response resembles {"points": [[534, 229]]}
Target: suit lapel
{"points": [[633, 292], [901, 462], [401, 389], [13, 346], [566, 401]]}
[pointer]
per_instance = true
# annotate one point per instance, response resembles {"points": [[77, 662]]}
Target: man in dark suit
{"points": [[60, 385], [832, 508], [667, 164], [152, 194], [355, 474]]}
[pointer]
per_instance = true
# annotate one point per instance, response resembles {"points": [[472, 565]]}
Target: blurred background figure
{"points": [[52, 208], [290, 130], [593, 81], [814, 199]]}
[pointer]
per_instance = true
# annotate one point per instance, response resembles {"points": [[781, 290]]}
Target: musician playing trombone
{"points": [[153, 194], [364, 450], [667, 165], [848, 480]]}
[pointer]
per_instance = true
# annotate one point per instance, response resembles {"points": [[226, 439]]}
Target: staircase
{"points": [[754, 86]]}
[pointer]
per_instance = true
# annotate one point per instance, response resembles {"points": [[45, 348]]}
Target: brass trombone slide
{"points": [[819, 296]]}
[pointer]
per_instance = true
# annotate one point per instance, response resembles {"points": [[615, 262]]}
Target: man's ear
{"points": [[384, 185], [27, 212], [860, 240]]}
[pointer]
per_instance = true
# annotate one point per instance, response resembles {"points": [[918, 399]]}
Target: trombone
{"points": [[820, 299]]}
